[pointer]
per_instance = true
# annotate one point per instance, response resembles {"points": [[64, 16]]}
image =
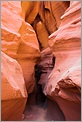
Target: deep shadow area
{"points": [[43, 111], [39, 107]]}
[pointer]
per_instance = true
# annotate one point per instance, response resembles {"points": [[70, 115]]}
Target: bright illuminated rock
{"points": [[65, 79], [19, 40], [13, 90], [42, 35]]}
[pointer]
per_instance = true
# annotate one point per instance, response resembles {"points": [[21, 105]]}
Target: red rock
{"points": [[46, 65], [19, 41], [71, 110], [53, 112], [64, 81], [13, 91]]}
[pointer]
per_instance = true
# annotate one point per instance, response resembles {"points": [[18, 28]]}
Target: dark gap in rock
{"points": [[40, 97], [37, 19], [40, 107], [37, 97], [53, 61], [37, 94]]}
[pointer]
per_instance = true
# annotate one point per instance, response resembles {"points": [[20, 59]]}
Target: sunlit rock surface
{"points": [[64, 82], [32, 33], [48, 20], [13, 91], [27, 54], [19, 40], [41, 31]]}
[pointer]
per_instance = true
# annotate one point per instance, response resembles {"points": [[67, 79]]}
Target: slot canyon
{"points": [[40, 60]]}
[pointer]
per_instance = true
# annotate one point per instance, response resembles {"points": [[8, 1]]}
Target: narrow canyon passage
{"points": [[34, 112], [41, 60], [39, 107], [42, 109]]}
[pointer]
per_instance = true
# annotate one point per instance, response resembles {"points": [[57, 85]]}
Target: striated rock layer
{"points": [[13, 91], [64, 82], [50, 13], [48, 20]]}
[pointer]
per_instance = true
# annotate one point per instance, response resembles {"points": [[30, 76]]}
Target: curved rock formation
{"points": [[19, 40], [30, 10], [32, 32], [50, 14], [64, 83], [48, 20], [41, 31], [27, 54], [13, 91]]}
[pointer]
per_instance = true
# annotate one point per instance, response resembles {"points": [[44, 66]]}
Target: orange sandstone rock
{"points": [[13, 91], [42, 35], [10, 24], [58, 8], [27, 54], [50, 13], [47, 17], [50, 21], [26, 8], [30, 10], [19, 40]]}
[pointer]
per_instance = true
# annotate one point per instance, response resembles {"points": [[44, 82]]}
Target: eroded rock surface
{"points": [[19, 40], [64, 81], [32, 33], [13, 91]]}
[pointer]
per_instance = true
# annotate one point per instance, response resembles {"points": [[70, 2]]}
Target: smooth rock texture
{"points": [[19, 40], [32, 33], [48, 20], [30, 10], [27, 54], [58, 8], [42, 35], [10, 16], [65, 79], [71, 110], [50, 13], [13, 91], [50, 111]]}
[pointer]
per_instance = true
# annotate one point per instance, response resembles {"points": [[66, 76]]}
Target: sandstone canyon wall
{"points": [[19, 40], [64, 82], [14, 94], [33, 33]]}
